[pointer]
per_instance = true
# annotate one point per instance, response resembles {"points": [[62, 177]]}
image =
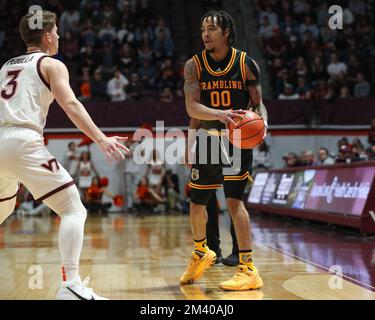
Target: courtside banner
{"points": [[342, 190]]}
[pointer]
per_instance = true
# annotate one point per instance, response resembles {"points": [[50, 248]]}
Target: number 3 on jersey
{"points": [[11, 85], [220, 98]]}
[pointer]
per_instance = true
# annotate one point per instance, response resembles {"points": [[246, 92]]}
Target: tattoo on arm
{"points": [[255, 93], [191, 85]]}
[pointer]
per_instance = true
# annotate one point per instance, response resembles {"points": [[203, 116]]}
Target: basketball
{"points": [[252, 131]]}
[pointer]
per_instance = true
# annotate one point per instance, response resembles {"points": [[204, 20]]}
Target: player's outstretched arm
{"points": [[57, 76], [192, 99]]}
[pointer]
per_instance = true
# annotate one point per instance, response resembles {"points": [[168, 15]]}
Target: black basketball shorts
{"points": [[229, 167]]}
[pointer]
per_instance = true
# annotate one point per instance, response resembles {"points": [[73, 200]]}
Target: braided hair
{"points": [[225, 21]]}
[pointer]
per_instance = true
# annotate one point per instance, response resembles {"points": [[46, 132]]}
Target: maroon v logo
{"points": [[49, 166]]}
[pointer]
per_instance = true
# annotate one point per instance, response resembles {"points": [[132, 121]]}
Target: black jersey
{"points": [[223, 84]]}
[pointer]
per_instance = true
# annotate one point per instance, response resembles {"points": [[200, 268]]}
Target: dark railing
{"points": [[348, 112]]}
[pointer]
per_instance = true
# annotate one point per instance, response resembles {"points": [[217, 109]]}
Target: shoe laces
{"points": [[85, 284], [240, 272]]}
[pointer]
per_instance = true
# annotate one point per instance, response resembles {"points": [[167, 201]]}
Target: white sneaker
{"points": [[77, 290]]}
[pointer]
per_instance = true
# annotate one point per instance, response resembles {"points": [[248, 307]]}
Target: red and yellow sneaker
{"points": [[197, 265], [244, 279]]}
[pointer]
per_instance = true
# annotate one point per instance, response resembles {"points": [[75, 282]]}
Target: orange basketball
{"points": [[251, 131]]}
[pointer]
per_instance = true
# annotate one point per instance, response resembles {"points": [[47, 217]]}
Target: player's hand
{"points": [[227, 116], [113, 148]]}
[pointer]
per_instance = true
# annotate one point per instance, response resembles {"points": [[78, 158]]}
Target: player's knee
{"points": [[67, 202], [234, 205]]}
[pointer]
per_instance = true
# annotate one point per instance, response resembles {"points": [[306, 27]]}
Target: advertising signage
{"points": [[337, 190]]}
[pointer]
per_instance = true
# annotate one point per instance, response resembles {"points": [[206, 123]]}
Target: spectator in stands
{"points": [[370, 152], [69, 20], [71, 158], [262, 157], [135, 88], [346, 155], [342, 142], [166, 95], [89, 58], [272, 16], [275, 45], [324, 157], [143, 28], [85, 172], [308, 158], [283, 79], [358, 149], [354, 67], [172, 190], [288, 93], [289, 26], [331, 93], [300, 7], [126, 60], [162, 26], [291, 160], [371, 134], [116, 87], [27, 205], [155, 173], [362, 87], [107, 33], [265, 30], [98, 86], [293, 49], [303, 89], [108, 60], [147, 73], [307, 25], [336, 68], [85, 87], [145, 197], [126, 35], [317, 71], [107, 13], [301, 68], [145, 49], [344, 92], [163, 46], [88, 35], [69, 46], [94, 197]]}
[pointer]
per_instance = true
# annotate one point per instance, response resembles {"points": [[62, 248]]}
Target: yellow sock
{"points": [[246, 258], [200, 247]]}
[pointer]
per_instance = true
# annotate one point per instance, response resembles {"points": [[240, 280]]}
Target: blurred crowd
{"points": [[308, 60], [114, 49], [346, 152]]}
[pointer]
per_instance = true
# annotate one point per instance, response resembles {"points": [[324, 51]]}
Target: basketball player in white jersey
{"points": [[28, 85]]}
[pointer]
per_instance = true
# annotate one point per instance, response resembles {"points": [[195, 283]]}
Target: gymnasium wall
{"points": [[280, 142]]}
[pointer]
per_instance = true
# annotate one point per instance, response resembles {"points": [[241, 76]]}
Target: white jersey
{"points": [[25, 95]]}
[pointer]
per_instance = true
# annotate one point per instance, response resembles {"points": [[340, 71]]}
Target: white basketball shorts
{"points": [[25, 159]]}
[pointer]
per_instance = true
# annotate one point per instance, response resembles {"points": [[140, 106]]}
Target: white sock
{"points": [[68, 205], [70, 244]]}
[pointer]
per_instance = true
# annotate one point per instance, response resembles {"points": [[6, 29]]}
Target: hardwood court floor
{"points": [[130, 257]]}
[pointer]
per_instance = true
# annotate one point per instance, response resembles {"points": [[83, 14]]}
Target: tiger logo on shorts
{"points": [[194, 174]]}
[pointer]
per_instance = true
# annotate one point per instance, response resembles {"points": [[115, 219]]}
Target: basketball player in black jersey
{"points": [[220, 83]]}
